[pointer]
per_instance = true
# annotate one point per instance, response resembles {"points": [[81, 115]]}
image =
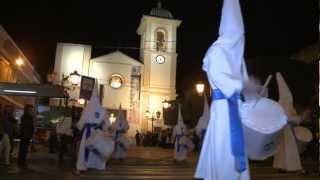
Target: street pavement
{"points": [[141, 163]]}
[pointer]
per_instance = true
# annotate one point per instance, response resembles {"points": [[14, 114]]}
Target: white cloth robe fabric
{"points": [[121, 124], [226, 71], [89, 116], [287, 156], [180, 129], [204, 119]]}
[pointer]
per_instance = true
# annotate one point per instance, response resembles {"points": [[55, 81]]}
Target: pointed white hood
{"points": [[224, 60], [121, 117], [93, 112], [231, 33], [285, 97], [121, 121], [231, 23], [180, 122], [204, 119]]}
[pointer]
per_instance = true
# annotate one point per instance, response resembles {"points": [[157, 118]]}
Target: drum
{"points": [[104, 145], [263, 122], [303, 137]]}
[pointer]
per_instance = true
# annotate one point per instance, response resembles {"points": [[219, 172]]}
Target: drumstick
{"points": [[263, 89], [265, 85]]}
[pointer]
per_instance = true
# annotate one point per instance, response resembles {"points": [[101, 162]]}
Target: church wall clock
{"points": [[160, 59]]}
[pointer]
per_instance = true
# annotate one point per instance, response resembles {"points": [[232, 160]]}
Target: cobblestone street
{"points": [[142, 163]]}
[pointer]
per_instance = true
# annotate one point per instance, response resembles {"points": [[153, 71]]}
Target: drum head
{"points": [[265, 116], [303, 134]]}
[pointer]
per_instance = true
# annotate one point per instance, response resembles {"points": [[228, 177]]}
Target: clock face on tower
{"points": [[160, 59]]}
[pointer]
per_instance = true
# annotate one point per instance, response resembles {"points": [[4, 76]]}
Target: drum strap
{"points": [[87, 128], [291, 127], [236, 131]]}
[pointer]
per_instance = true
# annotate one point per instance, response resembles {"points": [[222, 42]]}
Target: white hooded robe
{"points": [[121, 126], [226, 71], [203, 120], [181, 141], [287, 156], [95, 116]]}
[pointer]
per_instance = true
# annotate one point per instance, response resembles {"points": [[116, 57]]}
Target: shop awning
{"points": [[35, 90]]}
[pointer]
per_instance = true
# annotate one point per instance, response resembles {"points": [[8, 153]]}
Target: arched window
{"points": [[161, 36]]}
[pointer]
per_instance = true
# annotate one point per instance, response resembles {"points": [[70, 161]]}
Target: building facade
{"points": [[138, 85], [15, 68]]}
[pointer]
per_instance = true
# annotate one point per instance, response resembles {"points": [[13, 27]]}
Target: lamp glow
{"points": [[75, 78], [147, 114], [166, 104], [112, 118], [200, 88], [81, 101], [19, 62]]}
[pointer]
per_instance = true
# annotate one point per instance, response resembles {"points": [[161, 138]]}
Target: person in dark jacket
{"points": [[10, 124], [26, 133], [137, 138]]}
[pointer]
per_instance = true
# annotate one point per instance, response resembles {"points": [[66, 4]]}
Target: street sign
{"points": [[86, 87]]}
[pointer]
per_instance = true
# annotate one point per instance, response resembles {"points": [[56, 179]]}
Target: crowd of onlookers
{"points": [[10, 131], [162, 139]]}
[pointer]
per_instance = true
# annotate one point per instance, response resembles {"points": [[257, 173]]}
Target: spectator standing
{"points": [[10, 124], [137, 138], [4, 143], [26, 133]]}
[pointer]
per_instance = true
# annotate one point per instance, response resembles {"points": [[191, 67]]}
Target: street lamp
{"points": [[200, 88], [150, 116], [75, 78], [81, 101], [19, 62], [166, 104]]}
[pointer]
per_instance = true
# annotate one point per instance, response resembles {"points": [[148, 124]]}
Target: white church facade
{"points": [[139, 85]]}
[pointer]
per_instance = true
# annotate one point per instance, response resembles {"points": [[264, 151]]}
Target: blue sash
{"points": [[178, 136], [88, 127], [118, 144], [236, 131]]}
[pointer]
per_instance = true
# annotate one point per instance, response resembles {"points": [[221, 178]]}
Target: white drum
{"points": [[263, 122], [103, 144], [303, 137]]}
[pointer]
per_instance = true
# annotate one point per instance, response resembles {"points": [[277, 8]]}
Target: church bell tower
{"points": [[158, 32]]}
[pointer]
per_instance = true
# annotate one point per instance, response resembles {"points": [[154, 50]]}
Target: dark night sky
{"points": [[274, 28]]}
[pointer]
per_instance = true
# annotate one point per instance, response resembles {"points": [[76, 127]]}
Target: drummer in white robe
{"points": [[287, 157], [93, 119], [203, 120], [222, 155], [122, 143], [182, 144]]}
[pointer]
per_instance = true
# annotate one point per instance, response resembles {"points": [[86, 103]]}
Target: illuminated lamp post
{"points": [[200, 88]]}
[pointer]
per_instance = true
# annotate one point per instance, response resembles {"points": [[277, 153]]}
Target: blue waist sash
{"points": [[236, 131], [88, 127], [178, 136], [115, 137]]}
